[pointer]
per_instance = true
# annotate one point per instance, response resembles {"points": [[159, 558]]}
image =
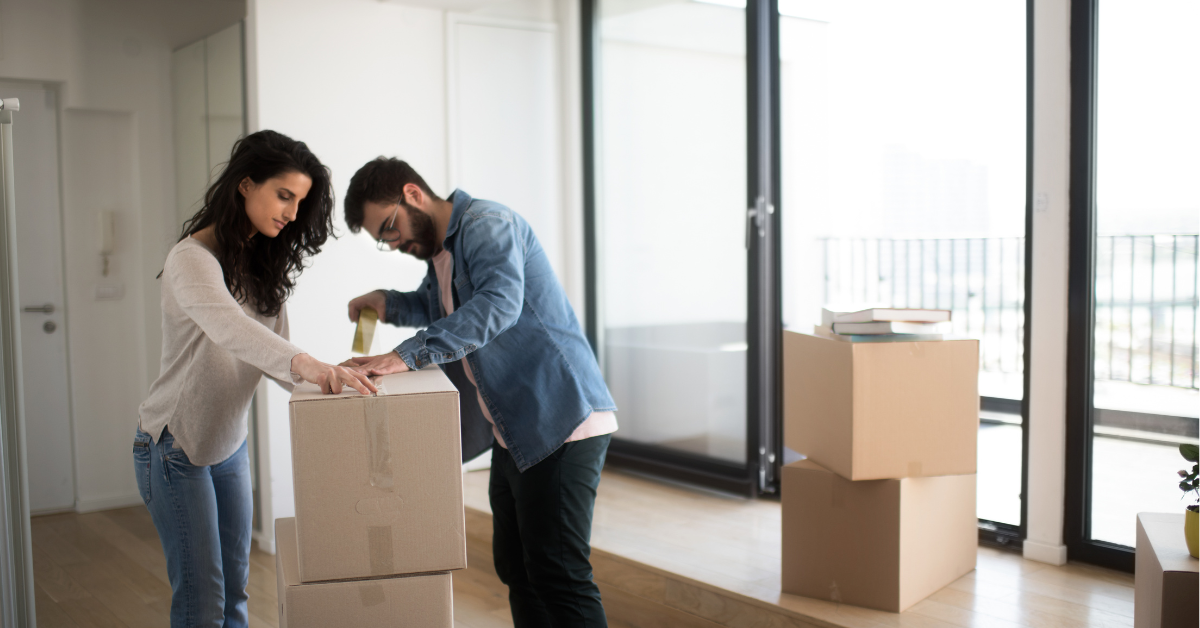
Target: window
{"points": [[847, 154], [904, 185], [670, 206], [1134, 223]]}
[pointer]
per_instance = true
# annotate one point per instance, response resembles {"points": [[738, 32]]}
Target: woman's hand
{"points": [[376, 300], [384, 364], [330, 378]]}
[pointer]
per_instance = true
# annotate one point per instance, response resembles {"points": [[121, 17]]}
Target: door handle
{"points": [[756, 218], [39, 309]]}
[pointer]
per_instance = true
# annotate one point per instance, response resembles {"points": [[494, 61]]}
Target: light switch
{"points": [[110, 292]]}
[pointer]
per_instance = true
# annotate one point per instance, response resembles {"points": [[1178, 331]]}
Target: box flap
{"points": [[818, 392], [427, 380], [285, 548]]}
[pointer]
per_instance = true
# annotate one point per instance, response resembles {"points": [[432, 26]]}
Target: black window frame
{"points": [[1081, 299], [995, 533]]}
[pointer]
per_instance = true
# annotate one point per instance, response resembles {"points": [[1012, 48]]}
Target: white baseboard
{"points": [[266, 542], [108, 503], [479, 463], [1045, 552], [50, 511]]}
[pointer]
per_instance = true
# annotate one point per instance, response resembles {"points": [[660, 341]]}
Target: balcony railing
{"points": [[1146, 296]]}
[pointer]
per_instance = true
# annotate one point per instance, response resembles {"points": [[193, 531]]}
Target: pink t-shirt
{"points": [[598, 424]]}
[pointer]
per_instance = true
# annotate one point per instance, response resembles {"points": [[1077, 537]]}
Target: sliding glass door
{"points": [[1135, 227], [670, 190], [748, 163], [904, 185]]}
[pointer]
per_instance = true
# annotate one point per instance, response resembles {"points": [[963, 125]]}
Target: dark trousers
{"points": [[541, 532]]}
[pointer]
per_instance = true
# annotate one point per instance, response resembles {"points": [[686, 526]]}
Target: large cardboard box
{"points": [[1166, 584], [378, 479], [883, 544], [417, 601], [877, 410]]}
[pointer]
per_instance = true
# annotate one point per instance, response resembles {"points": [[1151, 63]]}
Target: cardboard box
{"points": [[416, 601], [882, 410], [1166, 583], [378, 479], [883, 544]]}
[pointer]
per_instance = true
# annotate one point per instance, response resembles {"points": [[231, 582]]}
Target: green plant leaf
{"points": [[1191, 453]]}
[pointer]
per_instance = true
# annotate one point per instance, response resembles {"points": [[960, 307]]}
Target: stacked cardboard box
{"points": [[379, 508], [882, 512]]}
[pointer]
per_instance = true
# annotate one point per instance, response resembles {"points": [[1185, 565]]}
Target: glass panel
{"points": [[904, 184], [671, 208], [1145, 397]]}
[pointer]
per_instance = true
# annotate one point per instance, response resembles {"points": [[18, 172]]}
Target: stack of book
{"points": [[882, 325]]}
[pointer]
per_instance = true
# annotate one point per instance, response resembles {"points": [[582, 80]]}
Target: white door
{"points": [[504, 121], [40, 286]]}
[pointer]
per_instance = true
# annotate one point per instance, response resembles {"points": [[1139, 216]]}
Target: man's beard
{"points": [[424, 241]]}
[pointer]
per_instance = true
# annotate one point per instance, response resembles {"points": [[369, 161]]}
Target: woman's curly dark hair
{"points": [[263, 270]]}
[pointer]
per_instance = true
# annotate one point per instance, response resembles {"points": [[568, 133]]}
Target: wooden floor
{"points": [[107, 569], [711, 559], [664, 556]]}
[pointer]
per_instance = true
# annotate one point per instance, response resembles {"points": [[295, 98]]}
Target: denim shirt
{"points": [[512, 321]]}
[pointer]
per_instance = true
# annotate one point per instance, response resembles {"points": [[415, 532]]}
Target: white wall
{"points": [[99, 173], [110, 60], [356, 79]]}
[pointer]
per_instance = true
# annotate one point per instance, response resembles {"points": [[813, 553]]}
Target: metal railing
{"points": [[1146, 305], [1146, 296]]}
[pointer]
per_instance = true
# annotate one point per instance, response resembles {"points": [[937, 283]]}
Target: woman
{"points": [[224, 326]]}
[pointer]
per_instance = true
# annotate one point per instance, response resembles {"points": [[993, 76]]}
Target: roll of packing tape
{"points": [[364, 334]]}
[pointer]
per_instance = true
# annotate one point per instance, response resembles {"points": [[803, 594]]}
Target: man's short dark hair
{"points": [[381, 180]]}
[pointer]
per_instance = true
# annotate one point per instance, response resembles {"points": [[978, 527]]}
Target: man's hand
{"points": [[376, 300], [385, 364]]}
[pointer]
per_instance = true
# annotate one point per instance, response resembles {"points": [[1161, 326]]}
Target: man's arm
{"points": [[407, 309], [402, 309], [495, 255]]}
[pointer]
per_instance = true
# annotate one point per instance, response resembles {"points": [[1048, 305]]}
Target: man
{"points": [[497, 321]]}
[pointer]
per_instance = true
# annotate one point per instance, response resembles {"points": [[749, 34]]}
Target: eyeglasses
{"points": [[388, 232]]}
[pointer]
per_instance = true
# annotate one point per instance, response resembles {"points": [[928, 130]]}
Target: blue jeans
{"points": [[204, 517]]}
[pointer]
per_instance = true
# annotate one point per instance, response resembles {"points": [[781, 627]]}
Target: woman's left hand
{"points": [[384, 364]]}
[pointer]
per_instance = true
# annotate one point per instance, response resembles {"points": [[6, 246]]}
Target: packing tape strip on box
{"points": [[379, 457]]}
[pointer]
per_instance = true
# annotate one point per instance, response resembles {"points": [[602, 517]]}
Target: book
{"points": [[827, 332], [886, 328], [881, 314]]}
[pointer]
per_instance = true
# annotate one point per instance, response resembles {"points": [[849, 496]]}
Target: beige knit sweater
{"points": [[214, 352]]}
